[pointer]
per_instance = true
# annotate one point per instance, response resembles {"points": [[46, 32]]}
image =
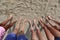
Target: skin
{"points": [[48, 33], [6, 21], [16, 29], [3, 24], [40, 36], [47, 19], [55, 32], [9, 25], [50, 18], [23, 27], [49, 29], [33, 33]]}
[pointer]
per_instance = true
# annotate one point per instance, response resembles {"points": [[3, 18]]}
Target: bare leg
{"points": [[23, 27], [55, 32], [17, 26], [48, 33], [52, 24], [38, 32], [33, 33], [53, 20], [9, 25], [34, 36], [6, 21]]}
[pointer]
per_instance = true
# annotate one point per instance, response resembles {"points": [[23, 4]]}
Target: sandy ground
{"points": [[29, 9]]}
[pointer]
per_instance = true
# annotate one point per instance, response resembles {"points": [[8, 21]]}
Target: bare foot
{"points": [[16, 30], [11, 16], [35, 24], [49, 17]]}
